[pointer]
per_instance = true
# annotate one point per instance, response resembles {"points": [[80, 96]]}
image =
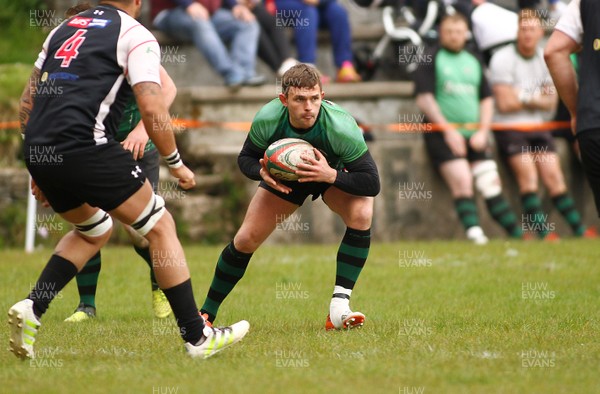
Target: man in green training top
{"points": [[344, 174], [452, 91]]}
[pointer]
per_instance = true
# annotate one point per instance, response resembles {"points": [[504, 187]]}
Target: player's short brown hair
{"points": [[77, 8], [300, 76]]}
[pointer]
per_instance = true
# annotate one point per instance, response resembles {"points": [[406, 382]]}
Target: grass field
{"points": [[442, 317]]}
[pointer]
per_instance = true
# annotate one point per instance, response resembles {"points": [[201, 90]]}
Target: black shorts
{"points": [[150, 164], [439, 152], [567, 134], [103, 176], [299, 191], [512, 143], [589, 145]]}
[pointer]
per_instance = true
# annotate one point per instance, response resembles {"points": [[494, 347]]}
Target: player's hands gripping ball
{"points": [[282, 157], [315, 168]]}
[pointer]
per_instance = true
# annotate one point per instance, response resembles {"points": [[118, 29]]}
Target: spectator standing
{"points": [[453, 91], [523, 92]]}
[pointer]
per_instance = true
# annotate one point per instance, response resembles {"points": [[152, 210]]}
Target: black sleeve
{"points": [[424, 75], [485, 89], [362, 178], [248, 160]]}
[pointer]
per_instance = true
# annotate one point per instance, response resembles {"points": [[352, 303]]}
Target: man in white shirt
{"points": [[523, 92]]}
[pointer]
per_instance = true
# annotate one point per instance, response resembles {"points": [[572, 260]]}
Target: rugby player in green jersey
{"points": [[344, 174]]}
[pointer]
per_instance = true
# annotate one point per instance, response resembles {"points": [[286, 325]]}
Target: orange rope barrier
{"points": [[419, 128], [9, 125], [407, 128]]}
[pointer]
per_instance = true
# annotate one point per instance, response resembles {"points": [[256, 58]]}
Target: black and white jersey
{"points": [[588, 102], [580, 22], [88, 65]]}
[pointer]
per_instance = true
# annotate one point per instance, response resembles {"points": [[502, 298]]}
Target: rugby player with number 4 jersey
{"points": [[94, 61]]}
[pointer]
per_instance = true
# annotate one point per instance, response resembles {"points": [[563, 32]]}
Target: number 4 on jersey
{"points": [[70, 48]]}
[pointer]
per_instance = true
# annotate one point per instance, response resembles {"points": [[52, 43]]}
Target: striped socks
{"points": [[566, 206], [231, 267], [87, 281], [502, 213], [534, 218], [351, 258], [467, 212]]}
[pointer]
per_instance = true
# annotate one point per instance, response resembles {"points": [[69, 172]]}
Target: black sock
{"points": [[55, 276], [145, 254], [181, 298], [231, 267]]}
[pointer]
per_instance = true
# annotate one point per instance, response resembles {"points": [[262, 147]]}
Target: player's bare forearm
{"points": [[168, 87], [155, 116], [26, 101], [486, 112], [547, 101], [507, 98], [138, 137], [557, 55], [136, 141], [427, 104]]}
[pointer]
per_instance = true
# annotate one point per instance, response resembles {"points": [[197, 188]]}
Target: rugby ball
{"points": [[283, 156]]}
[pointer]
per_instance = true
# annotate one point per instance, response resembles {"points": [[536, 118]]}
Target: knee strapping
{"points": [[487, 180], [99, 224], [150, 215]]}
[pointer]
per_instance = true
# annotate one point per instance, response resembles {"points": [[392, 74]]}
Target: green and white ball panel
{"points": [[283, 156]]}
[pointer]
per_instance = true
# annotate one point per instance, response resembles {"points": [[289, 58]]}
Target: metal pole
{"points": [[30, 229]]}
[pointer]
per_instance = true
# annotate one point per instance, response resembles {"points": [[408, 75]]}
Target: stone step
{"points": [[228, 115], [333, 91]]}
